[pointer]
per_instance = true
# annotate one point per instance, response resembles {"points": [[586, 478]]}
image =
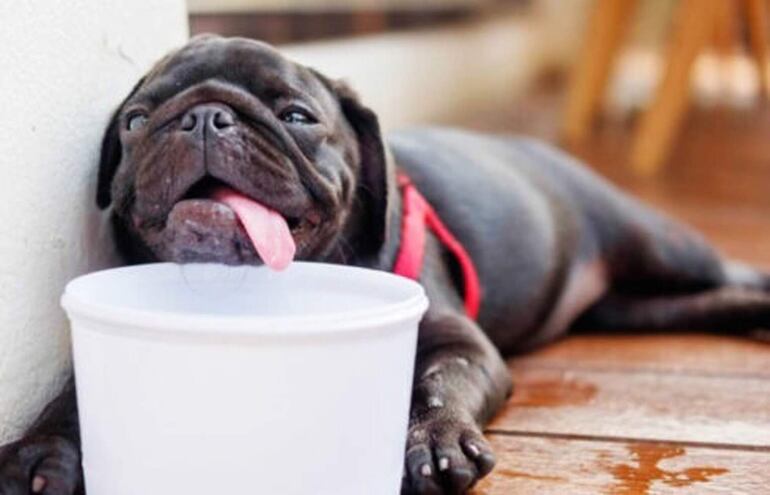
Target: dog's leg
{"points": [[658, 255], [47, 460], [665, 276], [730, 308], [460, 381]]}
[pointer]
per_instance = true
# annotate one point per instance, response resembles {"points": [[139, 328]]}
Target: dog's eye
{"points": [[136, 121], [297, 115]]}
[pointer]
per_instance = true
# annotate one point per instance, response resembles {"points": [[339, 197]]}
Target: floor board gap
{"points": [[614, 439]]}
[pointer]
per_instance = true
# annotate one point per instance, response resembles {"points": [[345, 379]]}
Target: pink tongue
{"points": [[267, 229]]}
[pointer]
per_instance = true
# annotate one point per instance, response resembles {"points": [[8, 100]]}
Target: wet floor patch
{"points": [[638, 476], [554, 393]]}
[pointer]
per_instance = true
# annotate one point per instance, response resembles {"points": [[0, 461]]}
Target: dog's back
{"points": [[531, 216]]}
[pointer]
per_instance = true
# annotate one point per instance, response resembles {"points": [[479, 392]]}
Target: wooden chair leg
{"points": [[693, 29], [756, 17], [604, 34], [726, 36]]}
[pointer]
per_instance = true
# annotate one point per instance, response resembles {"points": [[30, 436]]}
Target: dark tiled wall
{"points": [[292, 26]]}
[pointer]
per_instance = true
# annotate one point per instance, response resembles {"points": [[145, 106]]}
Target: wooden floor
{"points": [[653, 414]]}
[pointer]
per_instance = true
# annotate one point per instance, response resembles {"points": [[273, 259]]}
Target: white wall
{"points": [[65, 66]]}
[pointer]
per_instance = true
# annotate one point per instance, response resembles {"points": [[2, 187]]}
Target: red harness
{"points": [[417, 217]]}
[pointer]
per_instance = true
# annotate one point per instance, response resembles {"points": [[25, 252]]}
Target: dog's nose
{"points": [[210, 117]]}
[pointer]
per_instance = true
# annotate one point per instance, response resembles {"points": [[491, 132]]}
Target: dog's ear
{"points": [[374, 167], [111, 154], [108, 162]]}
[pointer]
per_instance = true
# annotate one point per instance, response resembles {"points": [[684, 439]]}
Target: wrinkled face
{"points": [[228, 122]]}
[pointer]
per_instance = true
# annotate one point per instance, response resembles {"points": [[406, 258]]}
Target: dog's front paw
{"points": [[445, 455], [40, 465]]}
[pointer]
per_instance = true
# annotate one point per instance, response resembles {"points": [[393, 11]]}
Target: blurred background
{"points": [[664, 97]]}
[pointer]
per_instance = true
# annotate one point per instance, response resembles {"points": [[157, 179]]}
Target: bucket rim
{"points": [[127, 320]]}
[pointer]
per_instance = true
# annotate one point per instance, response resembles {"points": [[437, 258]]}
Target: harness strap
{"points": [[417, 217]]}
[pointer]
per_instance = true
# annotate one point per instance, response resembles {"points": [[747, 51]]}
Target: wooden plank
{"points": [[543, 466], [639, 405], [677, 353]]}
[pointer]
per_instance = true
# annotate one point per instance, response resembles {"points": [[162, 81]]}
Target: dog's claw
{"points": [[45, 465], [38, 484], [459, 450]]}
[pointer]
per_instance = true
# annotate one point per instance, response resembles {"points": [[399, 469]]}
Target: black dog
{"points": [[552, 243]]}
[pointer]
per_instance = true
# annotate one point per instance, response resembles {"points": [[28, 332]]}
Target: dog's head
{"points": [[226, 133]]}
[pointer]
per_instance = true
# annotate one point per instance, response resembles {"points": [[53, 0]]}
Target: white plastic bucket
{"points": [[206, 379]]}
